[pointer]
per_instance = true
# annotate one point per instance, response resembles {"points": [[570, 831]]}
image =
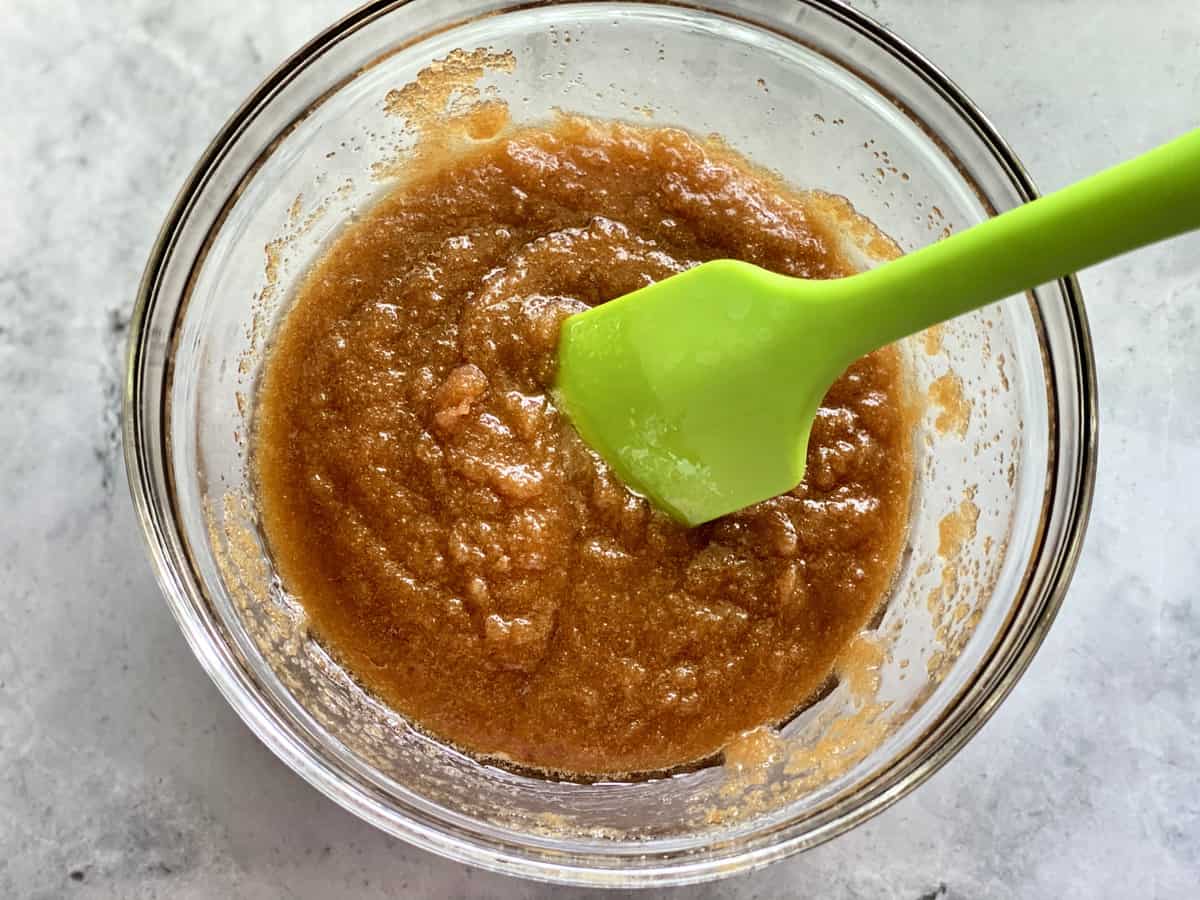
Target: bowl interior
{"points": [[809, 91]]}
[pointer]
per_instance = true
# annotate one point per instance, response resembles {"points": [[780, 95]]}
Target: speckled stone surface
{"points": [[124, 774]]}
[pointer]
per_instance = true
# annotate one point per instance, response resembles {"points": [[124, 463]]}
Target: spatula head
{"points": [[700, 390]]}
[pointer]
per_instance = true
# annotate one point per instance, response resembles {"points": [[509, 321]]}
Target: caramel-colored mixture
{"points": [[466, 556]]}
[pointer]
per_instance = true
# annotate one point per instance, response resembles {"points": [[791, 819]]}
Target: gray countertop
{"points": [[124, 774]]}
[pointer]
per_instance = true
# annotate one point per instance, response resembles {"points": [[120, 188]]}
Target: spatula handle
{"points": [[1149, 198]]}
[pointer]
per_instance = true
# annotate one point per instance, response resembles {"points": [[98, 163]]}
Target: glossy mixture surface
{"points": [[455, 544]]}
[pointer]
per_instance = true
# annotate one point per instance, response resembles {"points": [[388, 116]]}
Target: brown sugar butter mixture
{"points": [[460, 550]]}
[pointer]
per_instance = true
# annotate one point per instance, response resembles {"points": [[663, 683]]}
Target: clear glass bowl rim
{"points": [[152, 502]]}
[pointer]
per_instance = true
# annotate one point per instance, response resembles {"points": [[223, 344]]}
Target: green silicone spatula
{"points": [[700, 390]]}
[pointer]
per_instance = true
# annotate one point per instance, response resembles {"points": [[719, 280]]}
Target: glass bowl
{"points": [[816, 92]]}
